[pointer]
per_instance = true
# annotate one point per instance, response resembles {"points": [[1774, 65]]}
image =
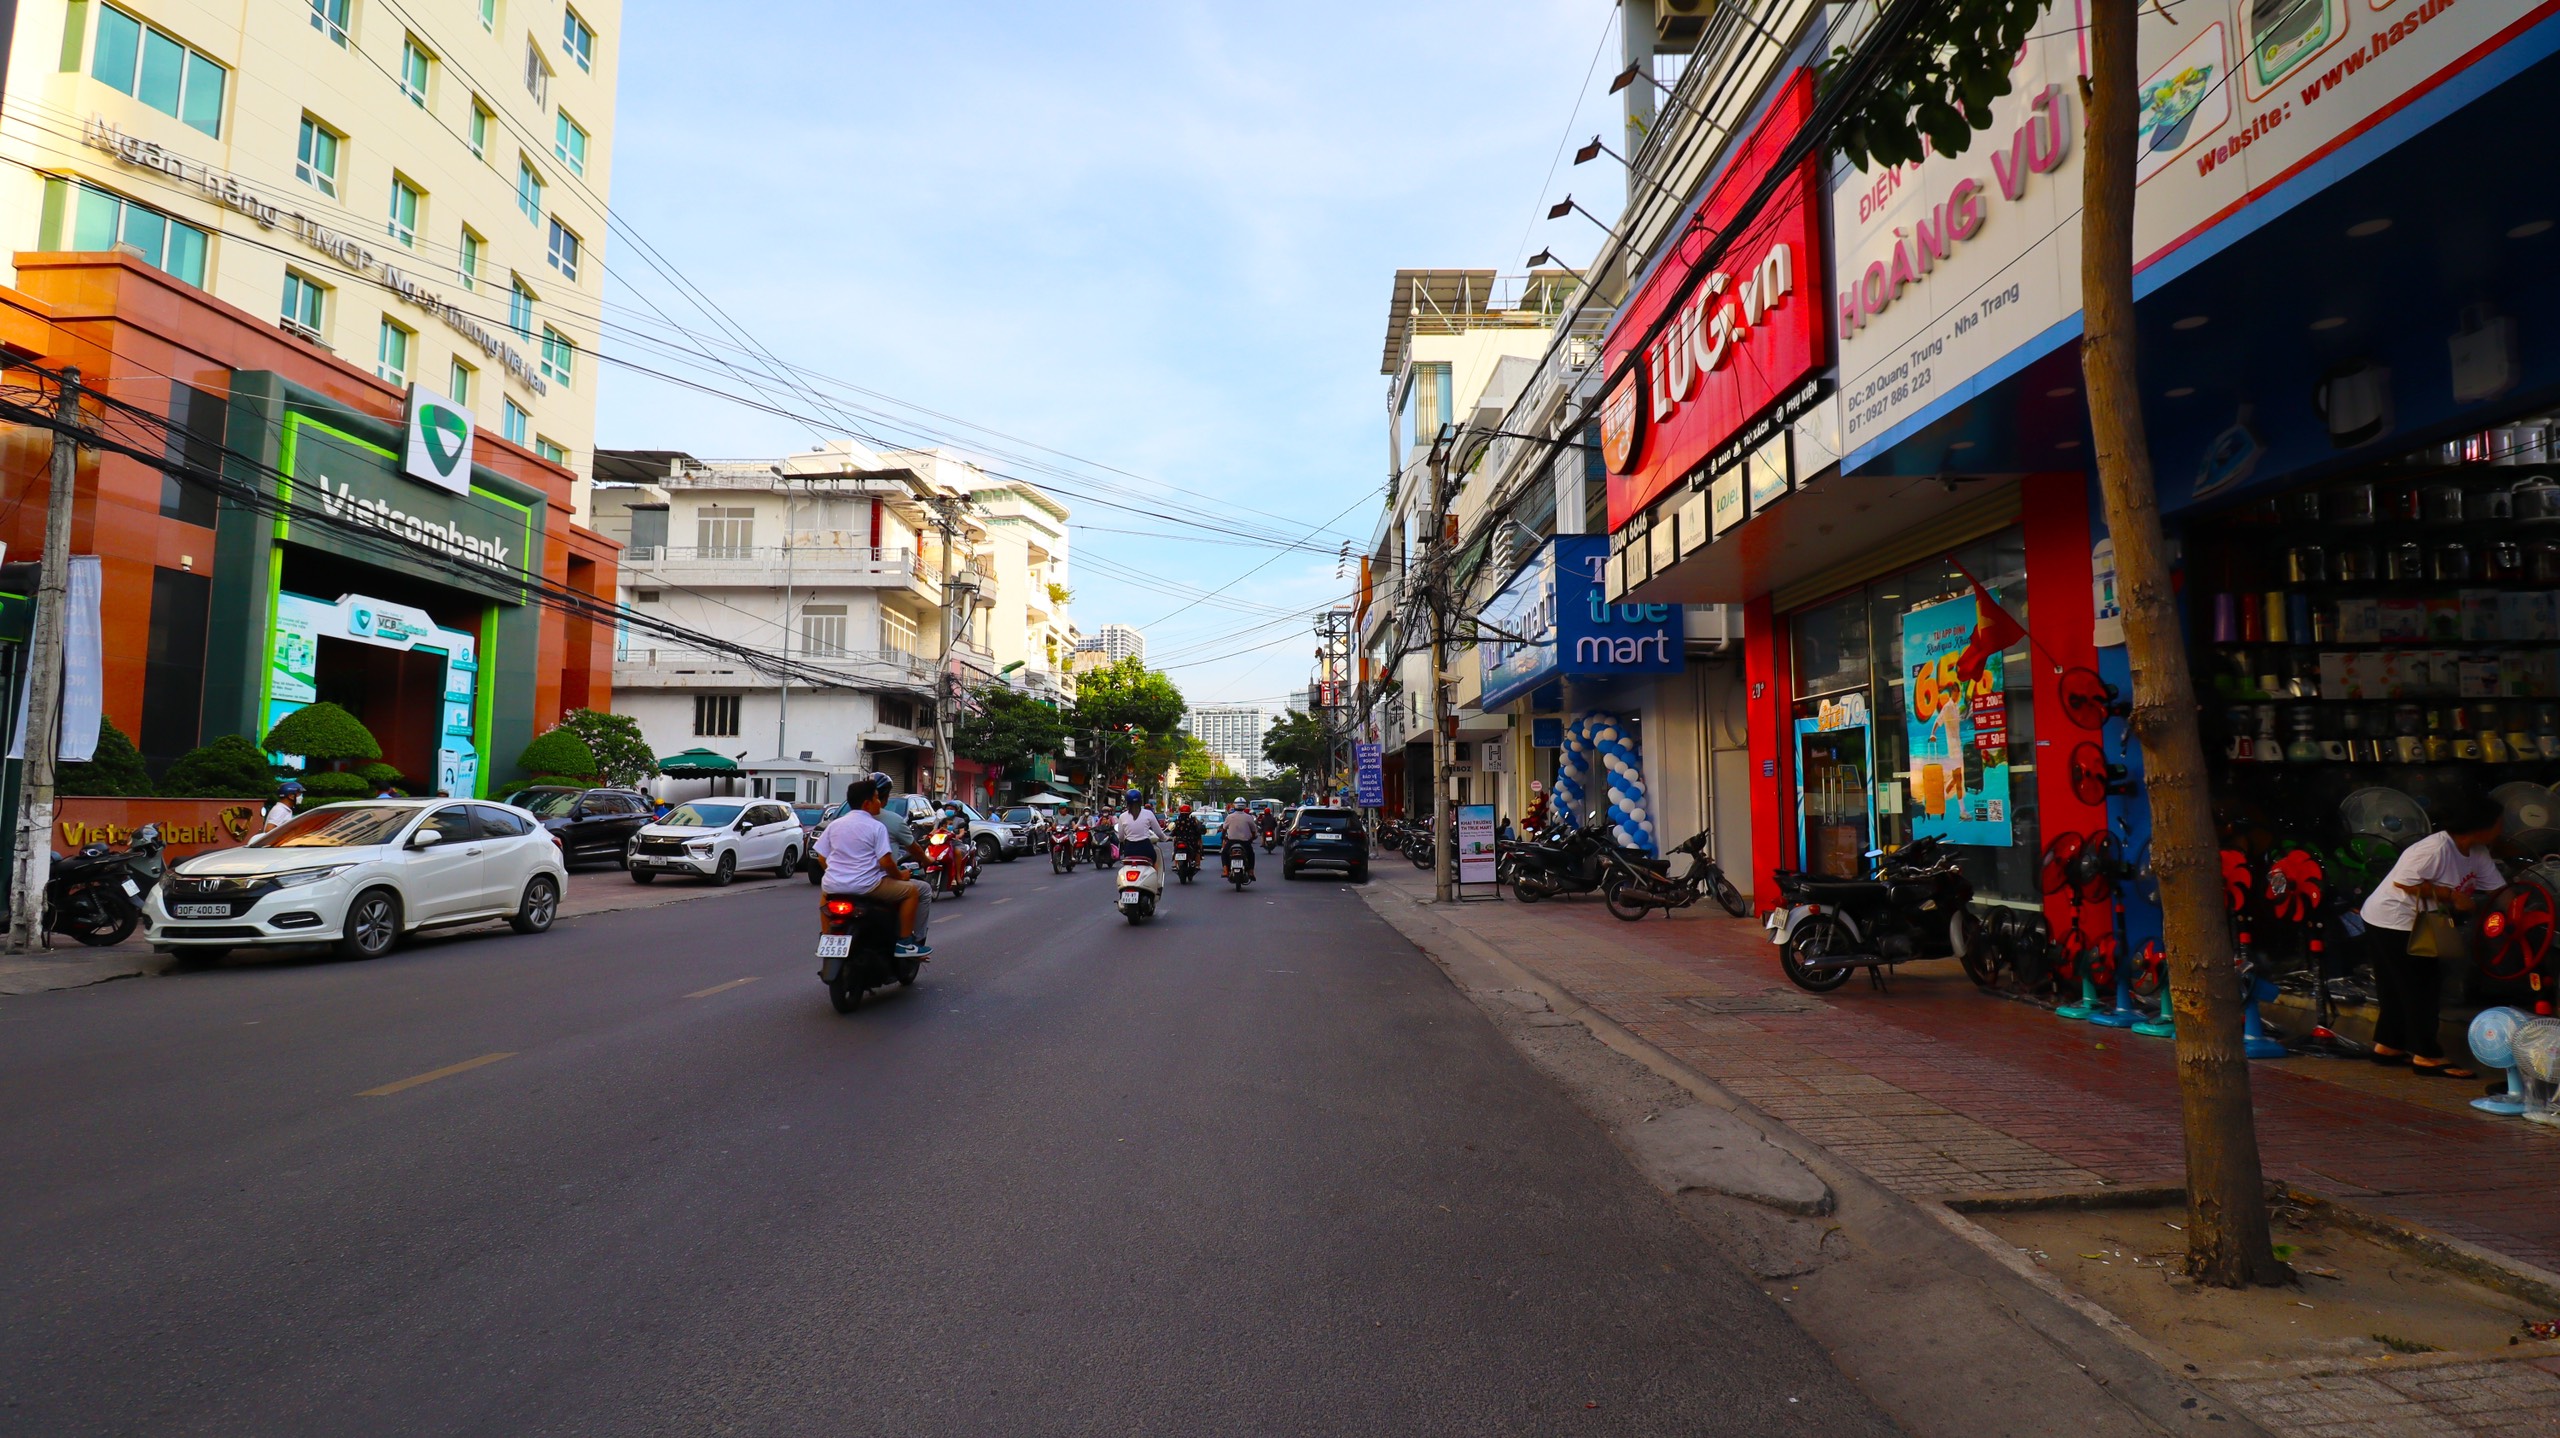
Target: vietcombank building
{"points": [[308, 532]]}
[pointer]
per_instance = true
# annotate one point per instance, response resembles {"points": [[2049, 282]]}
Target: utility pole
{"points": [[1435, 578], [782, 726], [31, 863], [946, 509]]}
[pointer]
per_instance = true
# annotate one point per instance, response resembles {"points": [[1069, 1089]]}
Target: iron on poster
{"points": [[1958, 731]]}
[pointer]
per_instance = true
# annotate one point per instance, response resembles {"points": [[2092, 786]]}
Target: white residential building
{"points": [[1115, 642], [1233, 732]]}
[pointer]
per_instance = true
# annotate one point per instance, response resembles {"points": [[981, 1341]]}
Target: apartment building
{"points": [[417, 190], [1233, 732]]}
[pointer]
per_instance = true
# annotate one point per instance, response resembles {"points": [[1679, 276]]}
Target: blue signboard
{"points": [[1557, 623], [1370, 776]]}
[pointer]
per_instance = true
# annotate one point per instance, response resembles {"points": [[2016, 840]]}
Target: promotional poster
{"points": [[1958, 732]]}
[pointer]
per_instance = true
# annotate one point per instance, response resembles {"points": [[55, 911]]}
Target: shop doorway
{"points": [[396, 693], [1835, 764]]}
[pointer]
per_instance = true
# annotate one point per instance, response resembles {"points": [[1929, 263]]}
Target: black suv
{"points": [[1325, 836], [588, 823]]}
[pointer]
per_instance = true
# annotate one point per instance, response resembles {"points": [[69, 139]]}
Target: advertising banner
{"points": [[1958, 732], [1953, 272], [1554, 619], [1369, 775], [1476, 858], [1739, 341]]}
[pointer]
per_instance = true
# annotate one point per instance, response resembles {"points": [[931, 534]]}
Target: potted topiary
{"points": [[231, 767], [559, 757], [115, 771]]}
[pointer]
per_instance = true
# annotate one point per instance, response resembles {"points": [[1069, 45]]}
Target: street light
{"points": [[1548, 257], [1595, 150], [1635, 72], [1561, 208]]}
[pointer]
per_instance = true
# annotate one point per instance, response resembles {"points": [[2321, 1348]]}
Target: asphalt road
{"points": [[1255, 1168]]}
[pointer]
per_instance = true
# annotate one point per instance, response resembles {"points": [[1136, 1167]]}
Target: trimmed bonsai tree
{"points": [[378, 776], [622, 757], [337, 784], [117, 769], [323, 734], [230, 767], [559, 756]]}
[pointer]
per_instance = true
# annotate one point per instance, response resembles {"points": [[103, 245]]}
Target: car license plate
{"points": [[132, 889], [201, 911], [835, 946]]}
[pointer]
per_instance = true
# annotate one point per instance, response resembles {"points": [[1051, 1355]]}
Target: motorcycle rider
{"points": [[859, 862], [1237, 834], [1137, 827], [903, 844], [280, 813], [1187, 832]]}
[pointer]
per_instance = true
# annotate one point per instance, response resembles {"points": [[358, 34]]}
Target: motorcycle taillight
{"points": [[839, 907]]}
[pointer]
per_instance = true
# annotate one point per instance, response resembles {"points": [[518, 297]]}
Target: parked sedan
{"points": [[1331, 837], [716, 838], [360, 876], [589, 823]]}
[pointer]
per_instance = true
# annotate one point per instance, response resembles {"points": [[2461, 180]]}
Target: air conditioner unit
{"points": [[1679, 24]]}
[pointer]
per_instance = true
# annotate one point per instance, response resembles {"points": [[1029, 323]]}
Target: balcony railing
{"points": [[762, 566], [641, 664]]}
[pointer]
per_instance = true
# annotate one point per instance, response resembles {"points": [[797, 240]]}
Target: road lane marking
{"points": [[448, 1071], [1007, 900], [718, 988]]}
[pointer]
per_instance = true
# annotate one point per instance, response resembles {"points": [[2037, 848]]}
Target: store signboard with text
{"points": [[1368, 767], [1553, 619], [477, 539], [1957, 730]]}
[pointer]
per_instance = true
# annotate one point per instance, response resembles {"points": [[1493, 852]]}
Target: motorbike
{"points": [[1639, 886], [1186, 859], [1270, 834], [1066, 849], [1568, 861], [951, 860], [1918, 906], [96, 895], [1141, 889], [858, 950], [1237, 871]]}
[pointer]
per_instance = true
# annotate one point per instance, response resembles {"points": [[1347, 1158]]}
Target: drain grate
{"points": [[1766, 1001]]}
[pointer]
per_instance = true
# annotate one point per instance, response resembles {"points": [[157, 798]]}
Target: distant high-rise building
{"points": [[1116, 642], [1233, 732], [1297, 702]]}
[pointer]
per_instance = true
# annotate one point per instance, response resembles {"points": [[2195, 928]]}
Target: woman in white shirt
{"points": [[2448, 869]]}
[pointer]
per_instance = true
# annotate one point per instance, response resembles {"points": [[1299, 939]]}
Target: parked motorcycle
{"points": [[1918, 906], [1238, 872], [1186, 859], [1567, 861], [858, 950], [96, 895], [1141, 889], [1639, 886]]}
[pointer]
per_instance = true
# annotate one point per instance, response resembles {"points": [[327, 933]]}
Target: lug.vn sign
{"points": [[1693, 363]]}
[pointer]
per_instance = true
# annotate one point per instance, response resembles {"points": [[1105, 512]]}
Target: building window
{"points": [[329, 17], [724, 533], [481, 121], [520, 311], [103, 221], [460, 384], [559, 356], [822, 630], [578, 38], [564, 248], [550, 450], [894, 711], [1429, 399], [474, 249], [404, 212], [569, 142], [537, 74], [304, 303], [897, 633], [488, 14], [391, 355], [413, 71], [518, 423], [160, 71], [646, 596], [715, 716], [315, 158], [528, 191]]}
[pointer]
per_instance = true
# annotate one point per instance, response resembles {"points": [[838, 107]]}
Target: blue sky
{"points": [[1156, 237]]}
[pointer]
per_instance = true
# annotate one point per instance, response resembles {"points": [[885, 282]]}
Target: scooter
{"points": [[951, 860], [96, 895], [1141, 889], [1066, 849], [1239, 869], [1918, 906], [1639, 884], [1574, 862], [1186, 859], [858, 950]]}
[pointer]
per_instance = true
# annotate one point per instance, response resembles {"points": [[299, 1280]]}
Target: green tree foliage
{"points": [[1006, 729], [231, 767], [377, 776], [1936, 88], [1298, 741], [559, 752], [116, 771], [1178, 751], [337, 784], [622, 757], [1119, 707], [324, 734]]}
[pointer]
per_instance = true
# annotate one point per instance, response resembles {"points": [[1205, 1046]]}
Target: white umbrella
{"points": [[1046, 801]]}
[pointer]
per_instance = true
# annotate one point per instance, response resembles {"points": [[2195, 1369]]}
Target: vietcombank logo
{"points": [[439, 450]]}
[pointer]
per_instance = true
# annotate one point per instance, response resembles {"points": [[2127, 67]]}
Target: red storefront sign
{"points": [[1742, 337]]}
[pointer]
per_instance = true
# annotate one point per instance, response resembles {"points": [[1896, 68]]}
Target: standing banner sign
{"points": [[1476, 859], [1958, 731], [1370, 775]]}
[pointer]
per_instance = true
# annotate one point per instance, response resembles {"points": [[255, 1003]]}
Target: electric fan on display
{"points": [[2053, 872], [2092, 777], [2359, 863], [2385, 814], [2089, 701], [2532, 818]]}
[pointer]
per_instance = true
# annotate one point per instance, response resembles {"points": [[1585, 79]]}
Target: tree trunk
{"points": [[2227, 1239]]}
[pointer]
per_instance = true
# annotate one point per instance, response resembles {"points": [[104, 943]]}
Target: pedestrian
{"points": [[2449, 870], [279, 813], [1504, 833]]}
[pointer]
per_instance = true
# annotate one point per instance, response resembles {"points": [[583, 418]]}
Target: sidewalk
{"points": [[1934, 1089]]}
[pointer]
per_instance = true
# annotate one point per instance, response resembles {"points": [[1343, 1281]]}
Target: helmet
{"points": [[1135, 796], [1186, 808], [289, 786]]}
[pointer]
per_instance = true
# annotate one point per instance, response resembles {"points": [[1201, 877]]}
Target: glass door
{"points": [[1835, 795]]}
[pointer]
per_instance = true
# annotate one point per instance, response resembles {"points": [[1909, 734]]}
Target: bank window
{"points": [[460, 383], [391, 355], [822, 630], [537, 74], [578, 38], [569, 142], [559, 356], [517, 423], [329, 17], [481, 123], [102, 221], [159, 70], [897, 632], [315, 157], [404, 212], [473, 252], [550, 450], [528, 190], [724, 532], [520, 311], [715, 716], [305, 301], [565, 248], [414, 61]]}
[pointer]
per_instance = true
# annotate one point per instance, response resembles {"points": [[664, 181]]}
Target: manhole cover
{"points": [[1767, 1001]]}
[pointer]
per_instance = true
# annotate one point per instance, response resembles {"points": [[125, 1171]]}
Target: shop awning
{"points": [[697, 764]]}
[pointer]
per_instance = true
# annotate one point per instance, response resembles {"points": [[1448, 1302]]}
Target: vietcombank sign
{"points": [[439, 449], [494, 537]]}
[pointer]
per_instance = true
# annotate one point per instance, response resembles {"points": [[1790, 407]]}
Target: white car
{"points": [[360, 876], [715, 838]]}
